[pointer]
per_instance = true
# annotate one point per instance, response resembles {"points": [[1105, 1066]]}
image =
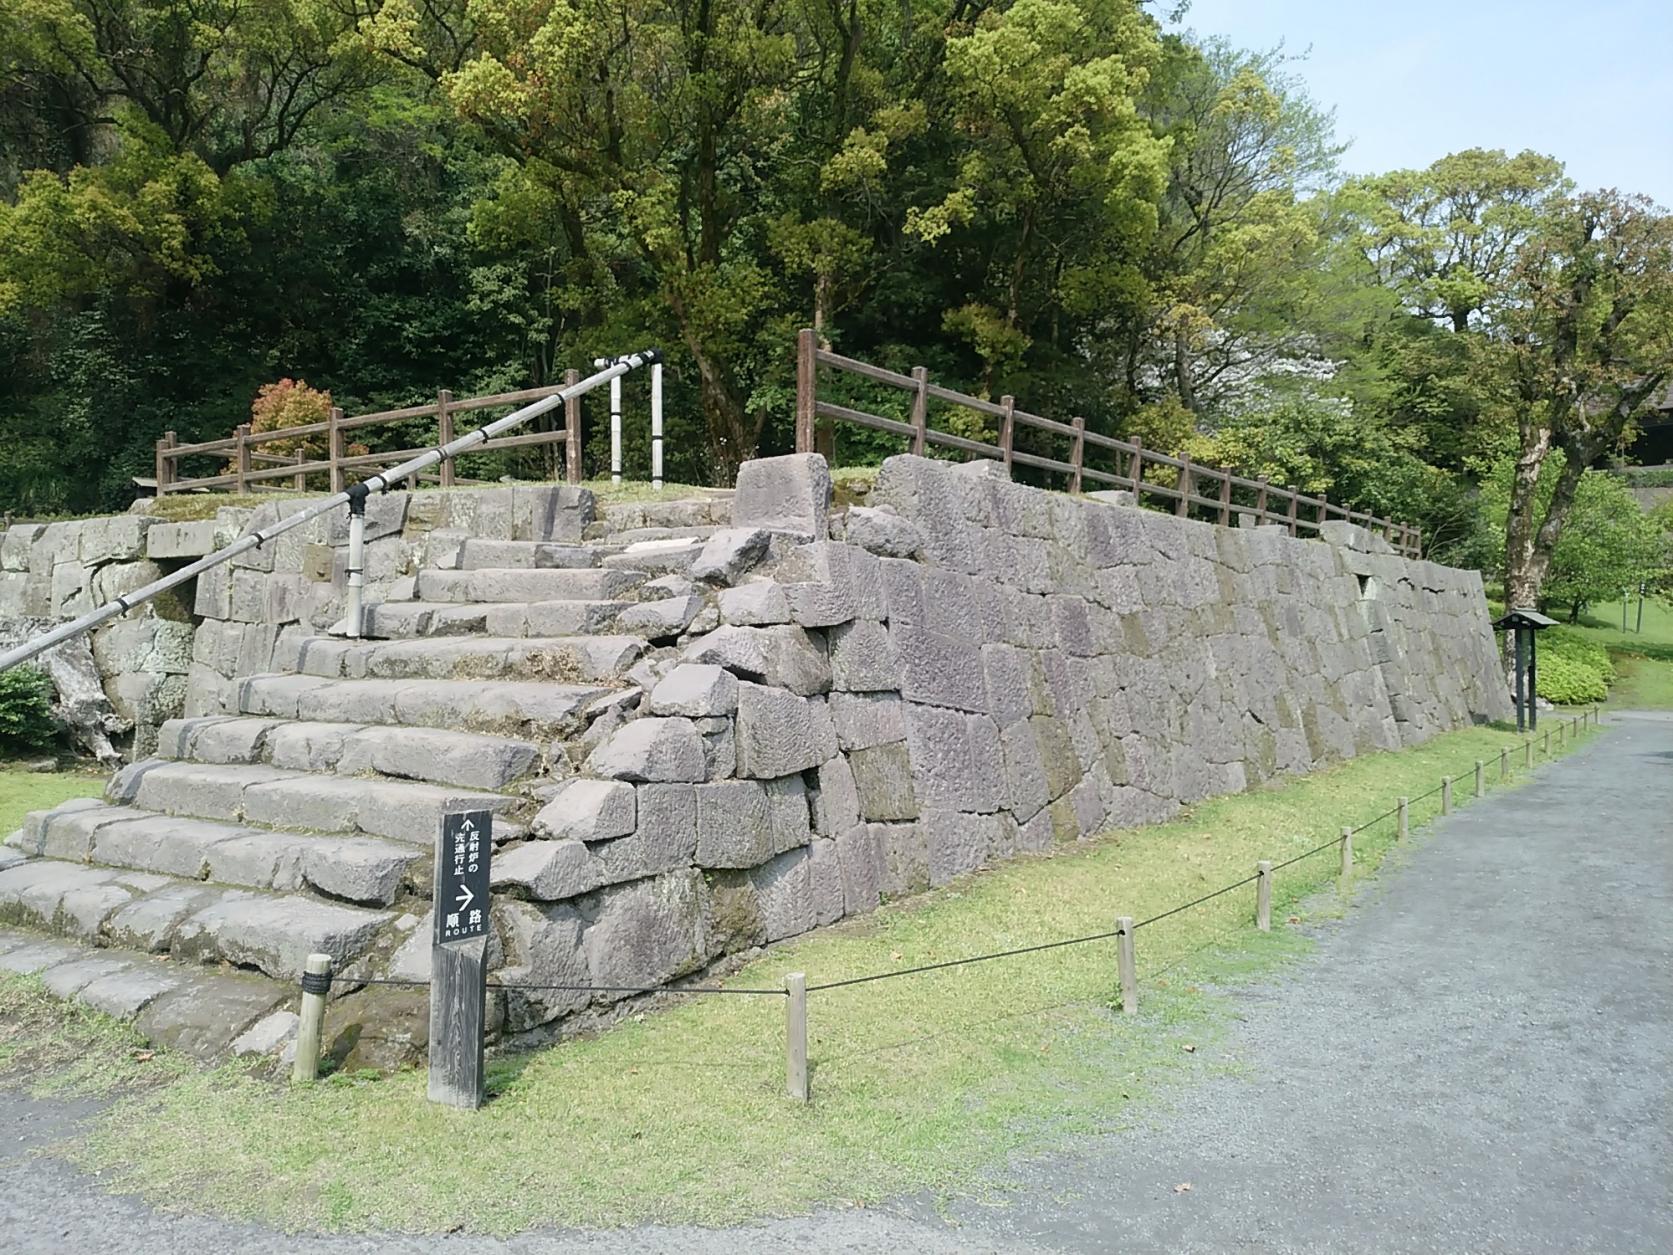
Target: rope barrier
{"points": [[1247, 880], [1317, 849], [980, 958], [321, 983]]}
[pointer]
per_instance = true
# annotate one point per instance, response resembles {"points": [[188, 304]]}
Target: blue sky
{"points": [[1590, 83]]}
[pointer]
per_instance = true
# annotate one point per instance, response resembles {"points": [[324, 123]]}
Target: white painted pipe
{"points": [[656, 425], [381, 482], [357, 578], [616, 430]]}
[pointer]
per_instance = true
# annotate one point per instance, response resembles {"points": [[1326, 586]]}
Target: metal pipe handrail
{"points": [[354, 497]]}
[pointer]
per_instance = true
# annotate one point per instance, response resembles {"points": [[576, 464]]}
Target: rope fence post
{"points": [[1263, 896], [1545, 743], [1504, 764], [1528, 753], [1446, 795], [1127, 964], [1401, 830], [616, 430], [795, 1036], [316, 982], [1480, 781], [1347, 852]]}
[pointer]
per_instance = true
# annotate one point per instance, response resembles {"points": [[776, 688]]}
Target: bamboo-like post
{"points": [[572, 429], [1260, 501], [1138, 468], [807, 368], [444, 431], [1007, 429], [920, 409], [1077, 452], [795, 1036], [299, 481], [316, 983]]}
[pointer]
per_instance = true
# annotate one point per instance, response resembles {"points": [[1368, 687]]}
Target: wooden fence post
{"points": [[1263, 896], [444, 432], [1545, 744], [1138, 469], [334, 448], [1077, 452], [1127, 964], [1480, 781], [299, 481], [1324, 512], [807, 366], [1007, 429], [572, 429], [1528, 752], [1446, 795], [1504, 764], [316, 982], [241, 456], [1260, 501], [1347, 852], [1225, 498], [165, 463], [1295, 506], [795, 1036], [1185, 489], [920, 410], [1402, 827]]}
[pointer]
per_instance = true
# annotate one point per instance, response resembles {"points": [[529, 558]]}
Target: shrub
{"points": [[1574, 647], [27, 723], [1566, 682]]}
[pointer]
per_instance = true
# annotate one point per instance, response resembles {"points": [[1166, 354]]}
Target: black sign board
{"points": [[467, 840]]}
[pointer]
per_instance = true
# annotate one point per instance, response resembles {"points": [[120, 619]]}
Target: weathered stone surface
{"points": [[660, 620], [779, 733], [548, 871], [883, 781], [863, 869], [784, 895], [863, 720], [664, 839], [647, 932], [862, 658], [784, 657], [882, 532], [728, 555], [438, 756], [651, 749], [742, 823], [589, 810], [698, 690], [756, 603], [784, 494], [543, 946], [836, 804], [268, 1035]]}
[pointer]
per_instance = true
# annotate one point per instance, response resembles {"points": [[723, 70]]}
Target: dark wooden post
{"points": [[444, 433], [1077, 454], [1260, 501], [1324, 508], [1295, 505], [165, 462], [1007, 429], [334, 448], [1225, 498], [459, 959], [807, 366], [241, 456], [920, 410], [1138, 467], [572, 429], [1184, 507]]}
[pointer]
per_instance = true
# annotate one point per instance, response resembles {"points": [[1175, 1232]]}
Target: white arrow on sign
{"points": [[466, 897]]}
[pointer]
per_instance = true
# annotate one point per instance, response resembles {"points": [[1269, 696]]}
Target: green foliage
{"points": [[1578, 648], [27, 724], [1566, 682]]}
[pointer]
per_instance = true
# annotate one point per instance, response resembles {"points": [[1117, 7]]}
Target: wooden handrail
{"points": [[1128, 459]]}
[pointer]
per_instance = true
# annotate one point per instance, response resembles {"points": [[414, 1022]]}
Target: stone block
{"points": [[882, 532], [659, 620], [664, 839], [543, 946], [589, 810], [727, 556], [958, 843], [779, 733], [883, 782], [836, 803], [862, 659], [785, 657], [698, 690], [784, 494], [903, 857], [548, 870], [732, 916], [647, 932], [743, 823], [755, 603], [784, 895], [824, 870], [651, 749], [956, 760], [863, 869], [864, 720], [938, 669]]}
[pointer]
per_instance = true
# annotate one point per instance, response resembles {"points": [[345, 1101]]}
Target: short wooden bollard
{"points": [[1446, 795], [1504, 765], [1127, 964], [1527, 753], [1561, 730], [1263, 896], [1347, 852], [1545, 743], [1480, 780], [316, 983], [795, 1036], [1402, 828]]}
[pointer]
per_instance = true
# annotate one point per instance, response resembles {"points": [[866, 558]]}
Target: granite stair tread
{"points": [[569, 659], [518, 584], [517, 708]]}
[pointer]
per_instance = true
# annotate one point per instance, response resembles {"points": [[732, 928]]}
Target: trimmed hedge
{"points": [[1573, 669], [27, 724]]}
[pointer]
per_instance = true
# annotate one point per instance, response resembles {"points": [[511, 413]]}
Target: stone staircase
{"points": [[303, 818]]}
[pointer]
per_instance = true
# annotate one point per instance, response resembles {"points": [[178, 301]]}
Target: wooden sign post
{"points": [[459, 959]]}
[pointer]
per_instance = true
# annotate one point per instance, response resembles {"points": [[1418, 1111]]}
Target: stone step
{"points": [[638, 535], [200, 1012], [431, 755], [186, 919], [569, 659], [657, 557], [273, 797], [406, 619], [368, 871], [511, 584], [534, 555], [535, 709]]}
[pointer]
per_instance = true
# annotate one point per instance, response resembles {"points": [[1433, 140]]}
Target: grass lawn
{"points": [[25, 791], [925, 1082], [1643, 660]]}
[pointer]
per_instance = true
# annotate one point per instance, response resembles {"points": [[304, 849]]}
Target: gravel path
{"points": [[1478, 1058]]}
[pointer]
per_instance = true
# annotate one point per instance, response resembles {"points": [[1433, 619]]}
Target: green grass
{"points": [[24, 791], [1643, 660], [926, 1082]]}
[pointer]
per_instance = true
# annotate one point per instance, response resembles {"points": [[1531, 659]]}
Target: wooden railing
{"points": [[248, 468], [1088, 457]]}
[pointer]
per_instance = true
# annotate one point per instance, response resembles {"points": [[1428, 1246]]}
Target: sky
{"points": [[1590, 82]]}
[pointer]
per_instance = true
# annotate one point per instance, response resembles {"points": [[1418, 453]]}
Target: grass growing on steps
{"points": [[929, 1081]]}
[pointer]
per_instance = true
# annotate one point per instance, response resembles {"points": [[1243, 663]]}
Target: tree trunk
{"points": [[1522, 578]]}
